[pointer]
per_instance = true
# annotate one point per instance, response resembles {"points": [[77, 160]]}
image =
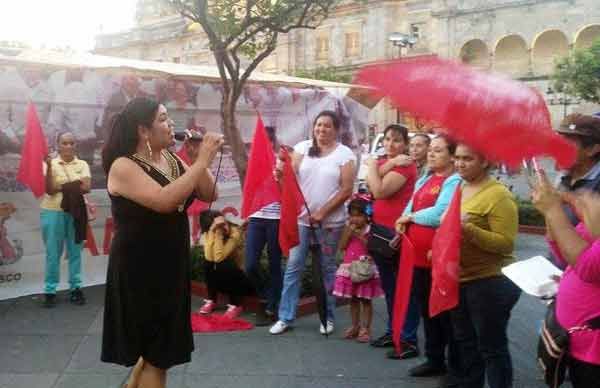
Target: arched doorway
{"points": [[547, 47], [511, 56], [586, 36], [475, 53]]}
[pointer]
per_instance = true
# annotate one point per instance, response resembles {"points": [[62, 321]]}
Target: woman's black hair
{"points": [[207, 217], [314, 151], [360, 205], [399, 129], [272, 135], [60, 134], [424, 136], [451, 144], [123, 137]]}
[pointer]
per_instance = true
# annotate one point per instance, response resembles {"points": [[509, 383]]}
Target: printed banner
{"points": [[84, 101]]}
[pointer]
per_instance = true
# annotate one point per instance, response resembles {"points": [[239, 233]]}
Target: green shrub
{"points": [[528, 214]]}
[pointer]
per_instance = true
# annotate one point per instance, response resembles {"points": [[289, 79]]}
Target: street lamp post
{"points": [[401, 41], [561, 98]]}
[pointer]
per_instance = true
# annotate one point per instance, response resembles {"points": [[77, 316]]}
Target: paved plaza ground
{"points": [[60, 348]]}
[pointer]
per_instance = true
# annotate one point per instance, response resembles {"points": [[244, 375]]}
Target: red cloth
{"points": [[504, 119], [420, 235], [260, 187], [403, 287], [214, 323], [35, 149], [445, 259], [291, 204], [386, 211]]}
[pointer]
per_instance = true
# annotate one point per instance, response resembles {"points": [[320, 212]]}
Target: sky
{"points": [[62, 23]]}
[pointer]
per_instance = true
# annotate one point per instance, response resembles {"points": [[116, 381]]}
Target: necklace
{"points": [[173, 172]]}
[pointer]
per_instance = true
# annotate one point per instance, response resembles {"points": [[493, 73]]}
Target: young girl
{"points": [[353, 242], [222, 253]]}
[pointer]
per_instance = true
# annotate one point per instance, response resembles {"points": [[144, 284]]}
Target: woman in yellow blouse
{"points": [[223, 243], [58, 227], [480, 321]]}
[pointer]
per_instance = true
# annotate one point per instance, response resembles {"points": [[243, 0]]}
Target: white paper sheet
{"points": [[534, 276]]}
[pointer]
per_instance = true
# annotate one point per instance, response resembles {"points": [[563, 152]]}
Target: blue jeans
{"points": [[261, 232], [479, 325], [388, 272], [58, 231], [292, 279]]}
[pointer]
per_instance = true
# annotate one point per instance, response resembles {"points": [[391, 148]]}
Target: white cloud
{"points": [[61, 23]]}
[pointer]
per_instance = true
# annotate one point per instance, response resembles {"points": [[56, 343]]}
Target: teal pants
{"points": [[58, 231]]}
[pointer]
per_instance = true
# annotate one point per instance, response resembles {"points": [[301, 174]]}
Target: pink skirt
{"points": [[345, 288]]}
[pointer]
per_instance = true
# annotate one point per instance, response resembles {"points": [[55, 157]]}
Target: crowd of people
{"points": [[408, 190]]}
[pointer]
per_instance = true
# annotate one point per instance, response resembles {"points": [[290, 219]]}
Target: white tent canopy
{"points": [[49, 58]]}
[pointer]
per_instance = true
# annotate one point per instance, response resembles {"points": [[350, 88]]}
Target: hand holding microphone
{"points": [[211, 144]]}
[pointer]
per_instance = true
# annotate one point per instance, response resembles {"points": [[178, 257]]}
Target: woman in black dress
{"points": [[147, 307]]}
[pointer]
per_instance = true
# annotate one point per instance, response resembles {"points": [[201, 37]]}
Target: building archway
{"points": [[475, 53], [511, 56], [586, 36], [546, 48]]}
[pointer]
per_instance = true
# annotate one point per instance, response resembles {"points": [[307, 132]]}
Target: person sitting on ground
{"points": [[223, 244]]}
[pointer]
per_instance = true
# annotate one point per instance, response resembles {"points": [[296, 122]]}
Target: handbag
{"points": [[361, 270], [553, 346], [383, 242]]}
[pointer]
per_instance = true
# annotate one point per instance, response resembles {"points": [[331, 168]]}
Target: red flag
{"points": [[504, 119], [445, 260], [35, 149], [291, 204], [260, 187], [403, 287]]}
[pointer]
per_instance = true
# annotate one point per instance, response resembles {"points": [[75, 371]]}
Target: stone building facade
{"points": [[521, 38]]}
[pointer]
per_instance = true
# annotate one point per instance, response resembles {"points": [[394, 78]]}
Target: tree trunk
{"points": [[232, 135]]}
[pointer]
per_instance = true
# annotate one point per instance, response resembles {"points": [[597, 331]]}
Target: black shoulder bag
{"points": [[383, 242], [553, 346]]}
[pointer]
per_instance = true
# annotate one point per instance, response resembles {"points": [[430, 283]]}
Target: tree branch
{"points": [[257, 60]]}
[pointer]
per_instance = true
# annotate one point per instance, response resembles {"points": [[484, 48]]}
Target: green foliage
{"points": [[528, 214], [250, 27], [579, 73], [325, 74]]}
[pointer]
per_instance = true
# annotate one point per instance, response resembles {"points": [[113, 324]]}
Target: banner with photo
{"points": [[84, 101]]}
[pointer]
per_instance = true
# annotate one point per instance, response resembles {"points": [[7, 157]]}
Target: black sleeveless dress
{"points": [[147, 302]]}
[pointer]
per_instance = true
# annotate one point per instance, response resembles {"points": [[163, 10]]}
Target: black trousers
{"points": [[583, 374], [438, 330], [227, 278]]}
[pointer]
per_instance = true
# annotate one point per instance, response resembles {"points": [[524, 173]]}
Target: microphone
{"points": [[187, 135]]}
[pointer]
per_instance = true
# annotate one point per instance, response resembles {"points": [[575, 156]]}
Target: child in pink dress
{"points": [[354, 244]]}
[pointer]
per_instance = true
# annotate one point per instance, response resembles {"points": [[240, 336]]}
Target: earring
{"points": [[149, 148]]}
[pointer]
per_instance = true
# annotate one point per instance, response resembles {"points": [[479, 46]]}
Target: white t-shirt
{"points": [[320, 179]]}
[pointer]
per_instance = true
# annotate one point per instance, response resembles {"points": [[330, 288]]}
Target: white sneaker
{"points": [[279, 327], [329, 328]]}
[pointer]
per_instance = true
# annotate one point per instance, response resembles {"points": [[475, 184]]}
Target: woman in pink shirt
{"points": [[578, 298]]}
